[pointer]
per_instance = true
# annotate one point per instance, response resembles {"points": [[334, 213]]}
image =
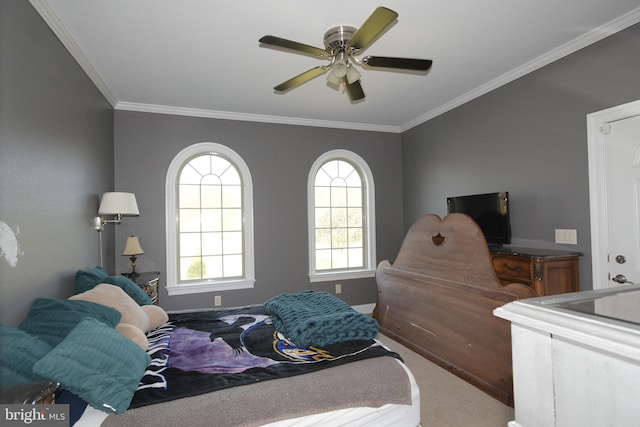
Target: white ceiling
{"points": [[202, 57]]}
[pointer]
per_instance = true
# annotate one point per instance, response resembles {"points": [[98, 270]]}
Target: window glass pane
{"points": [[323, 217], [355, 237], [323, 196], [212, 267], [232, 242], [323, 259], [231, 196], [354, 197], [211, 219], [356, 258], [189, 244], [339, 258], [189, 196], [322, 179], [339, 238], [355, 217], [211, 243], [331, 168], [189, 220], [210, 180], [338, 196], [338, 217], [218, 164], [201, 164], [353, 180], [191, 268], [232, 220], [233, 266], [230, 177], [345, 169], [323, 238], [189, 176], [211, 196]]}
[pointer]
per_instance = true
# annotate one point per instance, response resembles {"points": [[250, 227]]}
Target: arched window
{"points": [[209, 221], [341, 218]]}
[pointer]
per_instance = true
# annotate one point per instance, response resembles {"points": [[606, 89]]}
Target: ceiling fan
{"points": [[342, 45]]}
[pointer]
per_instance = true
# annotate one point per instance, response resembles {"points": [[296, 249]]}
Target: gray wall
{"points": [[529, 138], [279, 158], [56, 158]]}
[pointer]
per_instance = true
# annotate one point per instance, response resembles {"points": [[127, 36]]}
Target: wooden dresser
{"points": [[547, 271]]}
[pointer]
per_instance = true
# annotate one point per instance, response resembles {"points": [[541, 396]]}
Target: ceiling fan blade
{"points": [[379, 21], [354, 90], [300, 79], [295, 46], [397, 63]]}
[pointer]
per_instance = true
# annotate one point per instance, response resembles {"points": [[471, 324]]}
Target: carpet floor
{"points": [[445, 399]]}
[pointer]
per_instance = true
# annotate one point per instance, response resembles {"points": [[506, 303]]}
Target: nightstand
{"points": [[148, 281], [42, 393]]}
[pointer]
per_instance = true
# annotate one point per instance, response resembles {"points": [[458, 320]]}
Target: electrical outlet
{"points": [[566, 236], [217, 300], [338, 288]]}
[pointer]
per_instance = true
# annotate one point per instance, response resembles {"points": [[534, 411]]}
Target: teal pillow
{"points": [[98, 364], [133, 290], [52, 319], [86, 279], [19, 351]]}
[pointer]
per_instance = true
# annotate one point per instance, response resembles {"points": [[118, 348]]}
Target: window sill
{"points": [[197, 288], [341, 275]]}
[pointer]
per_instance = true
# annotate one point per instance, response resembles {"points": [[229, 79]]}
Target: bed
{"points": [[438, 296], [220, 367]]}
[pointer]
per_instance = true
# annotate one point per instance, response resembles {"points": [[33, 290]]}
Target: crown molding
{"points": [[49, 16], [226, 115]]}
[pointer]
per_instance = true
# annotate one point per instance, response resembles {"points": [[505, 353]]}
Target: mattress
{"points": [[391, 414]]}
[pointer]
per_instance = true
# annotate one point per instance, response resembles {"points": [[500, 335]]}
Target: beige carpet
{"points": [[446, 400]]}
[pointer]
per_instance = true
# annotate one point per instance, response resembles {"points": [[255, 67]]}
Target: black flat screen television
{"points": [[490, 211]]}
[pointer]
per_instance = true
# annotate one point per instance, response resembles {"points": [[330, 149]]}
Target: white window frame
{"points": [[172, 222], [369, 270]]}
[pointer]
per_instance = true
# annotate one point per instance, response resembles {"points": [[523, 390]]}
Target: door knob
{"points": [[621, 278]]}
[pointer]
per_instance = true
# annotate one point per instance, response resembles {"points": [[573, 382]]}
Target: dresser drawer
{"points": [[515, 269], [547, 271]]}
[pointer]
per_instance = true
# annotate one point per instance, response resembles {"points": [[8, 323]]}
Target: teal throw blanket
{"points": [[312, 318]]}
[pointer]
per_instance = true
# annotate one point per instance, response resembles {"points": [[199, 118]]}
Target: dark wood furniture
{"points": [[42, 393], [438, 298], [149, 282], [548, 272]]}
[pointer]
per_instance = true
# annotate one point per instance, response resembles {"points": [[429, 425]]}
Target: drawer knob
{"points": [[508, 267]]}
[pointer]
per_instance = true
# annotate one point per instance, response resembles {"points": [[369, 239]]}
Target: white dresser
{"points": [[576, 358]]}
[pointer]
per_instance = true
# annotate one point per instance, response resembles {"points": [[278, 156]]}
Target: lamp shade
{"points": [[117, 203], [132, 246], [352, 74]]}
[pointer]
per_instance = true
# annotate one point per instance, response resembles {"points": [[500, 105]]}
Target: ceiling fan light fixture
{"points": [[352, 74], [334, 80], [339, 68]]}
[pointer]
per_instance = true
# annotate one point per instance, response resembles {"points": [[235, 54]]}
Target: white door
{"points": [[622, 162], [614, 190]]}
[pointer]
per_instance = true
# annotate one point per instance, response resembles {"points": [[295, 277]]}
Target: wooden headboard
{"points": [[438, 298]]}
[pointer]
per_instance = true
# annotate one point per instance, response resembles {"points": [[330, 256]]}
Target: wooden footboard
{"points": [[438, 299]]}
